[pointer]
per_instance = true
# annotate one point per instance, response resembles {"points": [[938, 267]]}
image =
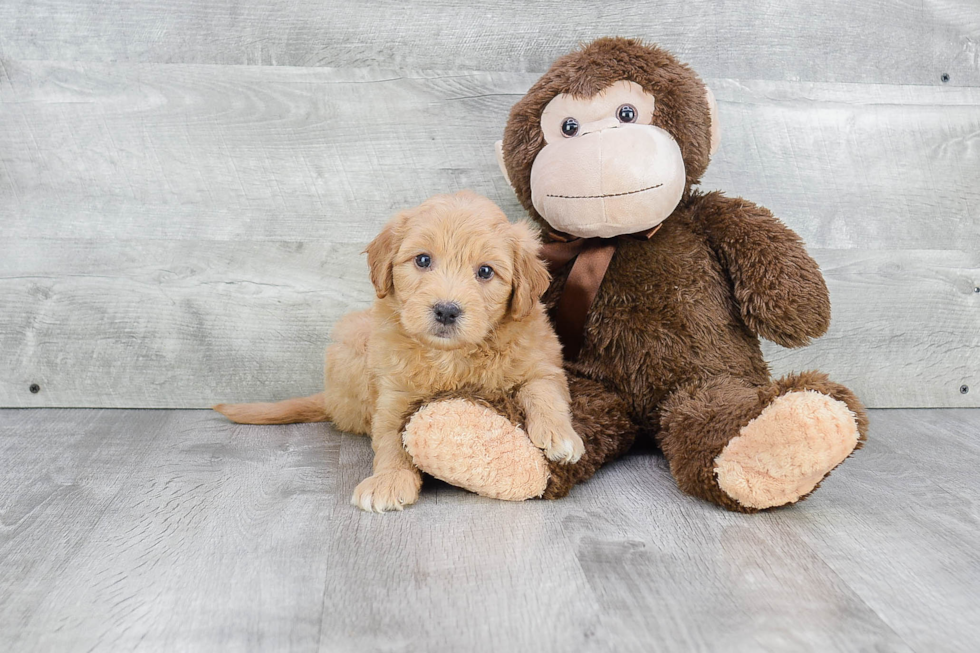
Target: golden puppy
{"points": [[458, 307]]}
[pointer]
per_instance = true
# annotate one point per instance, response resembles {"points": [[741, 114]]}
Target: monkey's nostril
{"points": [[446, 312]]}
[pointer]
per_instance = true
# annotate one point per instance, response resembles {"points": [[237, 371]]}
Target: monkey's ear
{"points": [[713, 116], [499, 147], [531, 277], [381, 255]]}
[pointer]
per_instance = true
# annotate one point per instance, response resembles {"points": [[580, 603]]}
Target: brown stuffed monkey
{"points": [[660, 294]]}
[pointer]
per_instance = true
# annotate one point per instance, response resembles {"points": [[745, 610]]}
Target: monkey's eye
{"points": [[626, 113], [569, 127], [485, 272], [423, 261]]}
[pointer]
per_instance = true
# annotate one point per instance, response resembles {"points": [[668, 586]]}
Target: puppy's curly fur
{"points": [[405, 349]]}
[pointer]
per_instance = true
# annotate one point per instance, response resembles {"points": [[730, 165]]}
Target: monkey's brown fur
{"points": [[671, 342], [673, 334]]}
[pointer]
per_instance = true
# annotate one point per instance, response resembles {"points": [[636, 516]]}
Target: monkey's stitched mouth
{"points": [[593, 197]]}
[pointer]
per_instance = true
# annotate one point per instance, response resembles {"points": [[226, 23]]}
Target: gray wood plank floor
{"points": [[175, 530]]}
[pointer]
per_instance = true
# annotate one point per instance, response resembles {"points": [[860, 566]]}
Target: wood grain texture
{"points": [[251, 153], [175, 234], [881, 167], [914, 477], [170, 323], [162, 531], [189, 324], [176, 530], [878, 41], [905, 329]]}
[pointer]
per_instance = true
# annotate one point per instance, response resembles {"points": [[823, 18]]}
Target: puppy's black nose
{"points": [[447, 312]]}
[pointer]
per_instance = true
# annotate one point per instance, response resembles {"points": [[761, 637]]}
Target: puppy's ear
{"points": [[381, 254], [531, 277]]}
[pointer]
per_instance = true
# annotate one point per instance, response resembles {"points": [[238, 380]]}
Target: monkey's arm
{"points": [[778, 286]]}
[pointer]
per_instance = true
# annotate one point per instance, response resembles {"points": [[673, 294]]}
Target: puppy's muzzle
{"points": [[446, 313]]}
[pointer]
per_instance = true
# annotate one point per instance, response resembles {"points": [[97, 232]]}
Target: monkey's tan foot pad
{"points": [[781, 455], [475, 448]]}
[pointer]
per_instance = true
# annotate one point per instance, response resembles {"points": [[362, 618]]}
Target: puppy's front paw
{"points": [[387, 491], [559, 441]]}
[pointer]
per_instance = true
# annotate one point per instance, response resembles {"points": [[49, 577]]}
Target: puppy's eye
{"points": [[626, 113], [485, 272], [569, 127], [423, 261]]}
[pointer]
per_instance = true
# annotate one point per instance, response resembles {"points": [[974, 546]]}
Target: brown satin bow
{"points": [[592, 257]]}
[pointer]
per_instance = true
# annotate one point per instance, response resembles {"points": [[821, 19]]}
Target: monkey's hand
{"points": [[778, 286]]}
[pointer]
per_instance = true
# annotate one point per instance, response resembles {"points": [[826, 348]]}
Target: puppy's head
{"points": [[453, 268]]}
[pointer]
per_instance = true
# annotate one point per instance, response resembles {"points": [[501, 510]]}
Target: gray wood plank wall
{"points": [[185, 187]]}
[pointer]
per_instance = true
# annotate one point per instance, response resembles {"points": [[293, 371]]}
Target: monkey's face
{"points": [[606, 169]]}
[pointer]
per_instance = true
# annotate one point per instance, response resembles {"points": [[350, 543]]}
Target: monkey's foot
{"points": [[475, 448], [783, 454]]}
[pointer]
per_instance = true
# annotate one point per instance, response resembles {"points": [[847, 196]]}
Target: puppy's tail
{"points": [[289, 411]]}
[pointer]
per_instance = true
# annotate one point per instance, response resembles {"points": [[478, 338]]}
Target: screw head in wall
{"points": [[35, 388], [944, 77], [964, 389]]}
